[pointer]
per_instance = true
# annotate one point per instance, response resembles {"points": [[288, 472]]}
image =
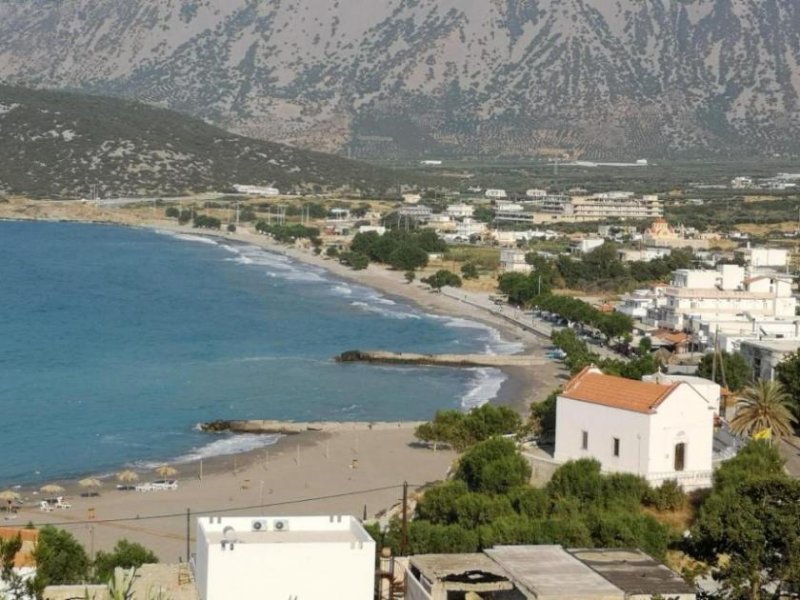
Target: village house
{"points": [[658, 430], [513, 261]]}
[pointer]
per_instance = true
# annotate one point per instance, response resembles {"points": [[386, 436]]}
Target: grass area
{"points": [[484, 257]]}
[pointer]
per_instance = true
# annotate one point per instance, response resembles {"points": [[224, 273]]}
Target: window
{"points": [[584, 440], [616, 446], [680, 456]]}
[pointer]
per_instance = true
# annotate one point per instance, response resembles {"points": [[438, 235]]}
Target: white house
{"points": [[460, 211], [585, 245], [303, 558], [493, 193], [659, 431], [513, 261]]}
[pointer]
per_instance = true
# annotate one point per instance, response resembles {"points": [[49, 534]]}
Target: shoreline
{"points": [[519, 387]]}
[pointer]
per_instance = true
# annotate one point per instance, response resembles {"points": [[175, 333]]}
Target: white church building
{"points": [[659, 430]]}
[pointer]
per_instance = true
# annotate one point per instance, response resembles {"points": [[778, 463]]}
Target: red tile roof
{"points": [[591, 385]]}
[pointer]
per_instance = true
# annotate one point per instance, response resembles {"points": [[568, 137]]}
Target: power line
{"points": [[225, 510]]}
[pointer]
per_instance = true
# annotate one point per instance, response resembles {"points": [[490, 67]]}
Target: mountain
{"points": [[60, 144], [596, 78]]}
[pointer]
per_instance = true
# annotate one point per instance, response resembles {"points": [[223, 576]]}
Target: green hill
{"points": [[59, 144]]}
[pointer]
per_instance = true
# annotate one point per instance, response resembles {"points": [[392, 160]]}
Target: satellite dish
{"points": [[229, 533]]}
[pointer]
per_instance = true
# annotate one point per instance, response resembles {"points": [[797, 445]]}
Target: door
{"points": [[680, 456]]}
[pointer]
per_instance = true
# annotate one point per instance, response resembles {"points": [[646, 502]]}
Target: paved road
{"points": [[516, 316]]}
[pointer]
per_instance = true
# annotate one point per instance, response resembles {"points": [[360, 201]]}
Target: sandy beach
{"points": [[353, 471], [342, 472]]}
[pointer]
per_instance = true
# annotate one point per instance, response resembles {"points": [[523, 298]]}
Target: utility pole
{"points": [[404, 529], [188, 528]]}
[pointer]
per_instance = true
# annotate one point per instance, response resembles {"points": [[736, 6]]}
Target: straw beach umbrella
{"points": [[90, 482], [51, 488], [127, 476], [166, 471], [9, 496]]}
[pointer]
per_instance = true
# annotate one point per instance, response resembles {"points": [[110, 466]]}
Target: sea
{"points": [[116, 342]]}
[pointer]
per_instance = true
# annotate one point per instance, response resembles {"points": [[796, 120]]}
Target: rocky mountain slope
{"points": [[597, 78], [58, 144]]}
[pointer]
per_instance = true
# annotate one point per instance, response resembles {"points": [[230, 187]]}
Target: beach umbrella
{"points": [[90, 482], [9, 496], [166, 471], [51, 488], [127, 475]]}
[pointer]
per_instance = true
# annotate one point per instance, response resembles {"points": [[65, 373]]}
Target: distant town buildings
{"points": [[661, 235], [251, 558], [725, 294], [496, 193], [254, 190], [597, 207], [460, 211], [658, 430]]}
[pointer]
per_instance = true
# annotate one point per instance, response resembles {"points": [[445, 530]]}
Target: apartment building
{"points": [[597, 207]]}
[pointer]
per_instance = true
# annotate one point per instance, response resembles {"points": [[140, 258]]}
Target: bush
{"points": [[668, 496], [438, 504], [60, 559], [493, 466], [125, 555], [172, 212], [355, 261], [469, 271], [578, 479]]}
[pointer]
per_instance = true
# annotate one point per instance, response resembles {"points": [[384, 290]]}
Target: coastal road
{"points": [[516, 316]]}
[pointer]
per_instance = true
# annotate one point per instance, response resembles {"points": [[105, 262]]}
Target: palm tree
{"points": [[764, 405]]}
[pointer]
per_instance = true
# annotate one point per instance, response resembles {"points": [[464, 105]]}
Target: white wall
{"points": [[685, 417], [298, 569], [603, 424]]}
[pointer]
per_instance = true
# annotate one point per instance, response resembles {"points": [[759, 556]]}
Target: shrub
{"points": [[493, 466]]}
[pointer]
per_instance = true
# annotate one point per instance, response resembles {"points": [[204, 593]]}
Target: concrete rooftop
{"points": [[551, 573]]}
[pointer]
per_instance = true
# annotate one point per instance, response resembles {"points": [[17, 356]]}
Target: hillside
{"points": [[597, 78], [57, 144]]}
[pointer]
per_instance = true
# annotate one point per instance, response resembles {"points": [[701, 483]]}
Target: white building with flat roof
{"points": [[759, 258], [512, 260], [460, 211], [763, 356], [302, 558], [659, 431], [725, 294]]}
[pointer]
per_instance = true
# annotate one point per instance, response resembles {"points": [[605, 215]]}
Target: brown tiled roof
{"points": [[591, 385]]}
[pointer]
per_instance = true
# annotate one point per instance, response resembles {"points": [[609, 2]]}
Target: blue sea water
{"points": [[116, 342]]}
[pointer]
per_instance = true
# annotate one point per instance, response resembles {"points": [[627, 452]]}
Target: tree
{"points": [[172, 212], [756, 460], [410, 276], [16, 588], [126, 555], [60, 559], [493, 466], [355, 261], [764, 405], [735, 366], [750, 533], [441, 279], [469, 271], [788, 374], [407, 257]]}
